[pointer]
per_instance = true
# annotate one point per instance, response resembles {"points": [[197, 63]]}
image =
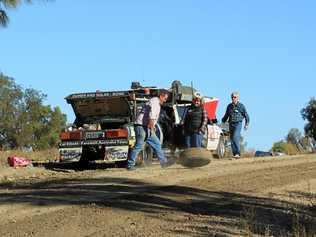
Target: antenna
{"points": [[143, 74], [192, 89]]}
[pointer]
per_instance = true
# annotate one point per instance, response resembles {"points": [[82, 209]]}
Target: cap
{"points": [[197, 95]]}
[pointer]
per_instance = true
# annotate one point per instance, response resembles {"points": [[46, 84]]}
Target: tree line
{"points": [[25, 122], [295, 142]]}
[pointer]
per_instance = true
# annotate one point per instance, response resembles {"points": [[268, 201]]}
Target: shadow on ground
{"points": [[132, 195], [77, 166]]}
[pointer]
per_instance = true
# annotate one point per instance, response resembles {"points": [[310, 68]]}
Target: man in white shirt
{"points": [[145, 130]]}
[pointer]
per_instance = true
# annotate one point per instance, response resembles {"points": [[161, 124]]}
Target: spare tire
{"points": [[195, 157], [221, 148]]}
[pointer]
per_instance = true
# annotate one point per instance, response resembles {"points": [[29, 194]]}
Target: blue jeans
{"points": [[235, 135], [144, 135], [193, 140]]}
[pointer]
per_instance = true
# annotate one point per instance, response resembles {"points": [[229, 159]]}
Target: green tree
{"points": [[48, 135], [8, 4], [278, 147], [284, 147], [308, 144], [24, 120], [309, 114], [11, 96], [294, 137]]}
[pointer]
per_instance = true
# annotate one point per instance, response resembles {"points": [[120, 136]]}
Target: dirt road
{"points": [[245, 197]]}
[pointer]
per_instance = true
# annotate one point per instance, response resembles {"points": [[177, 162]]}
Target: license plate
{"points": [[94, 135]]}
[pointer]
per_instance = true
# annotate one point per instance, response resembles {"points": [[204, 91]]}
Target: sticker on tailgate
{"points": [[116, 152]]}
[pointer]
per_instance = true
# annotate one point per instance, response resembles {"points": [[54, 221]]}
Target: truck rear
{"points": [[102, 130]]}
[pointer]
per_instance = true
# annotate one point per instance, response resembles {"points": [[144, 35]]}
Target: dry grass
{"points": [[45, 155]]}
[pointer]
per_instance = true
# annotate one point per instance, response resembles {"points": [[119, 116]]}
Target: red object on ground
{"points": [[15, 161], [210, 105]]}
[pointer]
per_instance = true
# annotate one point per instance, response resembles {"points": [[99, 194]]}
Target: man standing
{"points": [[195, 122], [145, 130], [235, 113]]}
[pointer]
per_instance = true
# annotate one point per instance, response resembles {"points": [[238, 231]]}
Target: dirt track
{"points": [[264, 197]]}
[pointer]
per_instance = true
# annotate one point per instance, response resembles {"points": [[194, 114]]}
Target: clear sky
{"points": [[266, 50]]}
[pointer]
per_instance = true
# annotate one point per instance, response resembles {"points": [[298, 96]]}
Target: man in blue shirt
{"points": [[235, 113]]}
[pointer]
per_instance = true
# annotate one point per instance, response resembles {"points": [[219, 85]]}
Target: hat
{"points": [[197, 95]]}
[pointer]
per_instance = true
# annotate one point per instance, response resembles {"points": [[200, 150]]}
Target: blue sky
{"points": [[264, 49]]}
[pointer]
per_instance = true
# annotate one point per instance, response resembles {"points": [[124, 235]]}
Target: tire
{"points": [[121, 164], [83, 163], [145, 157], [84, 159], [159, 133], [195, 157], [221, 148]]}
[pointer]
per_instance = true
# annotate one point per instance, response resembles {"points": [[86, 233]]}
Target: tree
{"points": [[8, 4], [308, 144], [11, 95], [294, 137], [48, 135], [309, 114], [24, 120], [4, 19], [284, 147]]}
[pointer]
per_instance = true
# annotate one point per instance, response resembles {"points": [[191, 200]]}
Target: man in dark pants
{"points": [[195, 122], [235, 113]]}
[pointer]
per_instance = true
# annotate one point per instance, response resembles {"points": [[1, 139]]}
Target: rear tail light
{"points": [[64, 136], [116, 133], [74, 135]]}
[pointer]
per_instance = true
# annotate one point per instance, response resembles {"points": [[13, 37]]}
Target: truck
{"points": [[103, 129]]}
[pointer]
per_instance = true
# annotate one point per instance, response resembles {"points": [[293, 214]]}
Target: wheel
{"points": [[84, 159], [121, 164], [221, 148], [195, 157], [145, 157], [159, 133], [83, 163]]}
